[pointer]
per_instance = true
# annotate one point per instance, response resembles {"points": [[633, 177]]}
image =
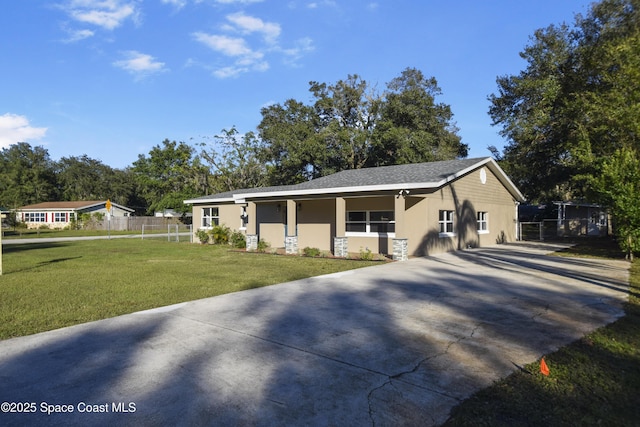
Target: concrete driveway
{"points": [[396, 344]]}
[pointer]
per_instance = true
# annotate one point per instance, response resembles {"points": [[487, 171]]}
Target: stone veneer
{"points": [[400, 249], [291, 245], [340, 247], [252, 242]]}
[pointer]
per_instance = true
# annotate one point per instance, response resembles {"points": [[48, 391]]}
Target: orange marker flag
{"points": [[544, 369]]}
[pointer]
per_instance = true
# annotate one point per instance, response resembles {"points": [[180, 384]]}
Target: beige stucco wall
{"points": [[466, 196], [316, 224], [271, 217], [229, 214]]}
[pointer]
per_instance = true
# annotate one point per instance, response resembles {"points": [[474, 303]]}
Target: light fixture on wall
{"points": [[403, 193]]}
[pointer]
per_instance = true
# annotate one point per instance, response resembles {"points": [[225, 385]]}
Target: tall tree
{"points": [[577, 101], [83, 178], [27, 176], [350, 126], [412, 127], [233, 161], [165, 178], [291, 148], [347, 112]]}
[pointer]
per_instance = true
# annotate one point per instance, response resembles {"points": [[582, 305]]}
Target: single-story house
{"points": [[404, 210], [582, 219], [61, 214]]}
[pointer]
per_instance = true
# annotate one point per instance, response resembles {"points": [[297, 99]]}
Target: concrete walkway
{"points": [[395, 344]]}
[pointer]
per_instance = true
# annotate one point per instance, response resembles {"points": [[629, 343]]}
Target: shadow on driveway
{"points": [[395, 344]]}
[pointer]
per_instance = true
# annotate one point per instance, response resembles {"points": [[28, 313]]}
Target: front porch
{"points": [[339, 225]]}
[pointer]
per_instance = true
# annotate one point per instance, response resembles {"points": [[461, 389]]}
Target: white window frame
{"points": [[446, 221], [60, 217], [209, 220], [367, 222], [483, 222], [35, 217]]}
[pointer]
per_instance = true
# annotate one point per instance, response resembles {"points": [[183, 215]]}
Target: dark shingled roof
{"points": [[415, 173], [431, 172]]}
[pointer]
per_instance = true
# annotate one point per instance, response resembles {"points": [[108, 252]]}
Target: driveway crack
{"points": [[399, 376]]}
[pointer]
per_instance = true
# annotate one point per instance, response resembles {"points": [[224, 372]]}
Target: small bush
{"points": [[43, 227], [366, 255], [203, 236], [262, 245], [220, 234], [238, 240], [311, 252]]}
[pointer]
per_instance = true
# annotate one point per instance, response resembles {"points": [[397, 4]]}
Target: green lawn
{"points": [[51, 285], [593, 381]]}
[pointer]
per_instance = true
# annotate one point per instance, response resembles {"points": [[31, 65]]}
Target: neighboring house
{"points": [[582, 219], [413, 209], [61, 214]]}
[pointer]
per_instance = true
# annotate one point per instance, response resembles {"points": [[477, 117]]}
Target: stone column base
{"points": [[291, 245], [252, 242], [340, 247], [400, 249]]}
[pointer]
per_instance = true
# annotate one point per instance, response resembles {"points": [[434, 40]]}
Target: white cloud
{"points": [[327, 3], [179, 4], [227, 72], [249, 24], [301, 47], [15, 128], [248, 51], [77, 35], [140, 64], [230, 46], [107, 14]]}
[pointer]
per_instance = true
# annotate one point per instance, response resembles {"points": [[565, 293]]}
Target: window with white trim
{"points": [[371, 222], [445, 221], [210, 217], [35, 217], [483, 222], [60, 217]]}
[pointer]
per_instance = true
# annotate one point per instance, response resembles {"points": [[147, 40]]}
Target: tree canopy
{"points": [[167, 176], [350, 126], [572, 116], [575, 104]]}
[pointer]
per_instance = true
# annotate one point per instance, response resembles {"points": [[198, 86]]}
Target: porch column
{"points": [[400, 242], [340, 247], [252, 219], [291, 238], [252, 235]]}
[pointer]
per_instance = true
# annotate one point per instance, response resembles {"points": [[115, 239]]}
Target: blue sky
{"points": [[113, 78]]}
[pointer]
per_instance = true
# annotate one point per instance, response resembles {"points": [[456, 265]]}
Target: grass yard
{"points": [[46, 286], [594, 381]]}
